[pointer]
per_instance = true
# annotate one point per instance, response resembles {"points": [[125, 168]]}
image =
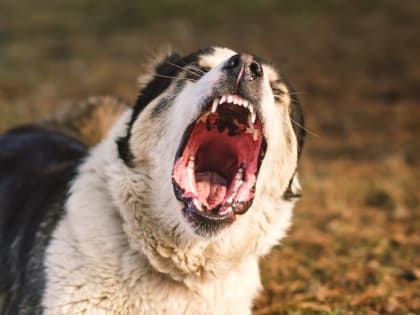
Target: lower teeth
{"points": [[190, 169], [197, 205], [226, 211], [238, 183]]}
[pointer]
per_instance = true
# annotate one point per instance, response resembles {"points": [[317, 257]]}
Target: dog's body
{"points": [[135, 233]]}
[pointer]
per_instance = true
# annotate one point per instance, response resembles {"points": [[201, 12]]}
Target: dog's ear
{"points": [[155, 80], [296, 115], [157, 77], [293, 190]]}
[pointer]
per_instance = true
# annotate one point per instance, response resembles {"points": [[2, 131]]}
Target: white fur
{"points": [[123, 246]]}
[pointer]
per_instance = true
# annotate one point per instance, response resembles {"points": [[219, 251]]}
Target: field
{"points": [[354, 247]]}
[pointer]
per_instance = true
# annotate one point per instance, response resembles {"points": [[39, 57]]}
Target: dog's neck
{"points": [[168, 247]]}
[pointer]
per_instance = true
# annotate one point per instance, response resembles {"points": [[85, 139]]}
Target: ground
{"points": [[354, 247]]}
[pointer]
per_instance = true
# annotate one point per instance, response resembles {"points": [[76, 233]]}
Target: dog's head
{"points": [[217, 135]]}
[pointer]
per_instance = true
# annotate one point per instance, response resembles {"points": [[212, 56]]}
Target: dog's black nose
{"points": [[244, 67]]}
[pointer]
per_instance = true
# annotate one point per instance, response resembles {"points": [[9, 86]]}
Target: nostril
{"points": [[255, 68], [244, 67], [233, 62]]}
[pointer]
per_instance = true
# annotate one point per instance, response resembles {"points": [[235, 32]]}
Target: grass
{"points": [[354, 247]]}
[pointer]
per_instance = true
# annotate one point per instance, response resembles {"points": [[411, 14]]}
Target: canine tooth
{"points": [[222, 99], [229, 99], [190, 172], [197, 204], [214, 106], [238, 183], [253, 117]]}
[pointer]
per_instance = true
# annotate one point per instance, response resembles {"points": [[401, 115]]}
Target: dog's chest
{"points": [[104, 276], [146, 292]]}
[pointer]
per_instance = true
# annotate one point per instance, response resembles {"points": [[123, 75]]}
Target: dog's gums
{"points": [[216, 171]]}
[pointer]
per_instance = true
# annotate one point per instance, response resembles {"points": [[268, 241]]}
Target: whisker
{"points": [[297, 93], [197, 69], [192, 71], [175, 78], [183, 68], [290, 93], [306, 129]]}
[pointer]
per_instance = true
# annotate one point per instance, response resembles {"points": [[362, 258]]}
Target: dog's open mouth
{"points": [[217, 165]]}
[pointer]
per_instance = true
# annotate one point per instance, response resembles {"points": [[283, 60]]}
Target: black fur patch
{"points": [[289, 194], [296, 113], [36, 167], [298, 124], [165, 103], [165, 71]]}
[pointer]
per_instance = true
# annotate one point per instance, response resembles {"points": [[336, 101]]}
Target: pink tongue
{"points": [[211, 188]]}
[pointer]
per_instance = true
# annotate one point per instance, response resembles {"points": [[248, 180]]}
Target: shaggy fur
{"points": [[88, 120], [121, 244]]}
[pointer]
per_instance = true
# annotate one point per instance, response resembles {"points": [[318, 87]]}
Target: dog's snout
{"points": [[244, 67]]}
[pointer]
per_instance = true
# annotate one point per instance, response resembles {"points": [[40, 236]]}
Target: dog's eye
{"points": [[195, 72], [278, 92]]}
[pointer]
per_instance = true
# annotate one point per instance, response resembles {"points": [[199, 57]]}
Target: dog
{"points": [[170, 211]]}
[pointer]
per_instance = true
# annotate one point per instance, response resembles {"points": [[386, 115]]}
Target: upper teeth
{"points": [[214, 105], [235, 99]]}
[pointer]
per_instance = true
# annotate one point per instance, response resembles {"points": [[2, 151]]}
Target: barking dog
{"points": [[167, 215]]}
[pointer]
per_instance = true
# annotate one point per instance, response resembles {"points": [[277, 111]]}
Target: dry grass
{"points": [[355, 245]]}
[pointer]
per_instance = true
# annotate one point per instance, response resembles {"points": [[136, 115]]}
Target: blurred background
{"points": [[354, 247]]}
